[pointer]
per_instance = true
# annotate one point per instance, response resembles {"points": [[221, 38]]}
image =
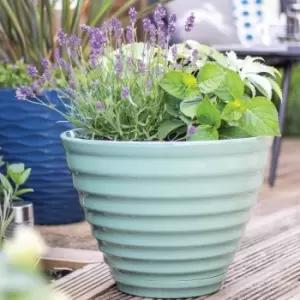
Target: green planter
{"points": [[167, 215]]}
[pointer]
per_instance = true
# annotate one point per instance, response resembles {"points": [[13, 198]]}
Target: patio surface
{"points": [[285, 194]]}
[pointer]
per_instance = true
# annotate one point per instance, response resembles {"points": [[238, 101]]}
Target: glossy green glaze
{"points": [[167, 215]]}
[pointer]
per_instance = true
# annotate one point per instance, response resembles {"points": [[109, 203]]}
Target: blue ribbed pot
{"points": [[30, 133], [168, 216]]}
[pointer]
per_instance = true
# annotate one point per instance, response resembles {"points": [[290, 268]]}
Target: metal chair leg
{"points": [[282, 113]]}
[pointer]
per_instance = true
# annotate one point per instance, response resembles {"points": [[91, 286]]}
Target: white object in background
{"points": [[254, 20]]}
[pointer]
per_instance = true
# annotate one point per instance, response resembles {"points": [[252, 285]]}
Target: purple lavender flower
{"points": [[45, 63], [99, 106], [142, 67], [129, 34], [93, 60], [195, 56], [190, 22], [172, 24], [32, 70], [62, 63], [46, 75], [117, 27], [174, 52], [97, 40], [146, 24], [159, 13], [85, 27], [191, 130], [148, 85], [6, 60], [23, 92], [72, 84], [132, 15], [119, 66], [161, 39], [61, 37], [129, 62], [35, 85], [125, 93], [56, 54], [74, 41]]}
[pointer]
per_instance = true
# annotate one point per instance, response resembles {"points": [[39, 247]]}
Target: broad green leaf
{"points": [[208, 113], [276, 88], [167, 127], [262, 84], [256, 68], [204, 132], [232, 88], [23, 191], [233, 111], [233, 133], [260, 118], [180, 85], [189, 107], [25, 175], [17, 168], [172, 105], [210, 78]]}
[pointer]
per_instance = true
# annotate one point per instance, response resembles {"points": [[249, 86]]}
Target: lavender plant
{"points": [[145, 91]]}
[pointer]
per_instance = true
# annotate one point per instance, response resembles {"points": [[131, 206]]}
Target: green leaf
{"points": [[232, 88], [260, 118], [25, 175], [5, 183], [14, 172], [23, 191], [210, 78], [208, 113], [17, 168], [233, 111], [180, 85], [262, 84], [233, 133], [204, 132], [189, 107], [167, 127]]}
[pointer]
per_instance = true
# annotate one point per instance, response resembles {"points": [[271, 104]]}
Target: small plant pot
{"points": [[168, 216], [23, 216]]}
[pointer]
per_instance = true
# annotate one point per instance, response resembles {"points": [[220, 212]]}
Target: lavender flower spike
{"points": [[190, 22], [61, 37], [23, 92], [172, 24], [130, 34], [125, 93], [132, 15], [146, 25], [32, 70], [99, 106], [191, 130]]}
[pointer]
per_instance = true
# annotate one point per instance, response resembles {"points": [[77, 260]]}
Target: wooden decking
{"points": [[266, 267]]}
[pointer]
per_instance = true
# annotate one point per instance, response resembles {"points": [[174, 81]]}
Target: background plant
{"points": [[10, 183], [27, 28], [13, 75]]}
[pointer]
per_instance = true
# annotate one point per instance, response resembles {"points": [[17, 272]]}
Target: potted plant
{"points": [[31, 134], [169, 153], [10, 191]]}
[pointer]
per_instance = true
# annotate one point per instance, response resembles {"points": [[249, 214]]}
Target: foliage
{"points": [[134, 91], [219, 101], [13, 75], [10, 183], [21, 278], [27, 28]]}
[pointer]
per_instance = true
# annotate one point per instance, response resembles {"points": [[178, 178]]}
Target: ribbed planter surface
{"points": [[168, 216], [30, 134]]}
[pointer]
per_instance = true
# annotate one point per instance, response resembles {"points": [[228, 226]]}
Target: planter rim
{"points": [[70, 136]]}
